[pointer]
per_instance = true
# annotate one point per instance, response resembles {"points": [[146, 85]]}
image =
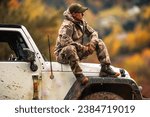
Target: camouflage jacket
{"points": [[72, 32]]}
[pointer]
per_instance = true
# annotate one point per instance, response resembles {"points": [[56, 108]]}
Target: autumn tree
{"points": [[40, 19]]}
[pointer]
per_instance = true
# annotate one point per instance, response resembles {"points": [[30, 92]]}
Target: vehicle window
{"points": [[11, 46], [5, 51]]}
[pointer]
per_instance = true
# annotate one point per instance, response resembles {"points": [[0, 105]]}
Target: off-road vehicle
{"points": [[25, 74]]}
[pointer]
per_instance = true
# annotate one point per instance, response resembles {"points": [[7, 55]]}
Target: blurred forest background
{"points": [[123, 25]]}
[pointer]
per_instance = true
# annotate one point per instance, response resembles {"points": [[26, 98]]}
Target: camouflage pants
{"points": [[70, 54]]}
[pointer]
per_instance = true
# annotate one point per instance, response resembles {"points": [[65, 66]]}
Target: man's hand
{"points": [[89, 48]]}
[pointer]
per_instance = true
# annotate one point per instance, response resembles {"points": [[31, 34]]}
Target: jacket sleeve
{"points": [[65, 34]]}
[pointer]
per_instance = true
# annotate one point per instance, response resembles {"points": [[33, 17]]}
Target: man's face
{"points": [[77, 16]]}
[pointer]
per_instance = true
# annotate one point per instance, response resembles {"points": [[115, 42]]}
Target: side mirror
{"points": [[30, 57]]}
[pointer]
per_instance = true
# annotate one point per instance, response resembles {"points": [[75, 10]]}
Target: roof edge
{"points": [[10, 25]]}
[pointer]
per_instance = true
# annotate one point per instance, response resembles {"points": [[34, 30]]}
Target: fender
{"points": [[124, 87]]}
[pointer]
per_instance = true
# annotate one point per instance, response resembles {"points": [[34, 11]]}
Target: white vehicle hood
{"points": [[88, 68]]}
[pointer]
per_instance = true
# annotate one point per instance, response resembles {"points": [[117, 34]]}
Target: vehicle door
{"points": [[15, 74]]}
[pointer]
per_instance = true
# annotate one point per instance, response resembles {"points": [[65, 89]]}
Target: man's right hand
{"points": [[89, 48]]}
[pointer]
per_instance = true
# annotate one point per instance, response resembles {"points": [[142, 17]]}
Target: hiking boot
{"points": [[107, 71]]}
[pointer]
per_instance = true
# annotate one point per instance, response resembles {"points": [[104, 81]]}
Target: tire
{"points": [[103, 96]]}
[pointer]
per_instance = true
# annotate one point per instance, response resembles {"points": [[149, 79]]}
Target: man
{"points": [[70, 47]]}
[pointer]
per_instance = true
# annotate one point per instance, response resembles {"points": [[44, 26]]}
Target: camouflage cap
{"points": [[77, 8]]}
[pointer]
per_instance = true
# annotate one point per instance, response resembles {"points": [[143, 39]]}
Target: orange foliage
{"points": [[13, 4], [134, 63], [130, 41], [146, 55], [146, 13], [137, 39], [113, 45], [142, 36]]}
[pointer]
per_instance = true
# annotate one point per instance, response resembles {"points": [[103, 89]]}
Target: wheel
{"points": [[103, 96]]}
